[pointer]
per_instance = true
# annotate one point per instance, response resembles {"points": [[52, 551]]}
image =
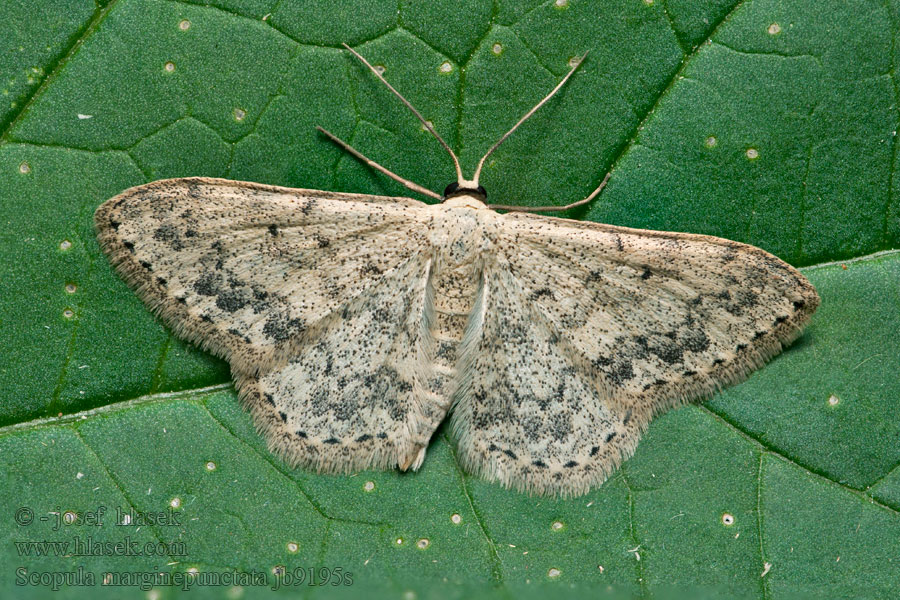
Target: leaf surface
{"points": [[767, 122]]}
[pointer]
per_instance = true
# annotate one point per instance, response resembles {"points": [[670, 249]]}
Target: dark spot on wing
{"points": [[169, 235], [542, 293], [322, 241], [618, 370], [207, 284], [219, 247], [283, 417], [280, 327], [560, 426], [695, 340], [446, 350], [539, 463], [622, 372], [647, 273], [570, 464], [596, 449], [667, 351], [609, 438], [740, 300], [364, 438], [300, 434], [130, 247], [510, 454], [273, 229], [332, 440], [269, 398], [231, 300]]}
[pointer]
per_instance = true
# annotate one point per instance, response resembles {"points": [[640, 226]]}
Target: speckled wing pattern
{"points": [[591, 330], [354, 324], [316, 299]]}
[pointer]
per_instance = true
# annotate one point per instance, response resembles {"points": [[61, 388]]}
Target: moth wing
{"points": [[307, 294], [246, 270], [353, 398], [591, 330]]}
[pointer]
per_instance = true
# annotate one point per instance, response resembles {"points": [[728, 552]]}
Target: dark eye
{"points": [[451, 189], [482, 192]]}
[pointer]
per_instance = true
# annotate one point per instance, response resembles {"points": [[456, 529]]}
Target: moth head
{"points": [[466, 188]]}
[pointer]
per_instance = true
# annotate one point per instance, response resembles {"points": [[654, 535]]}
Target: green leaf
{"points": [[804, 457]]}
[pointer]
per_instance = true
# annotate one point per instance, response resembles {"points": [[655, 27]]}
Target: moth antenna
{"points": [[425, 123], [406, 182], [553, 208], [528, 114]]}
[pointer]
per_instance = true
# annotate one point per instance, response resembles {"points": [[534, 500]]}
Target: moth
{"points": [[355, 324]]}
